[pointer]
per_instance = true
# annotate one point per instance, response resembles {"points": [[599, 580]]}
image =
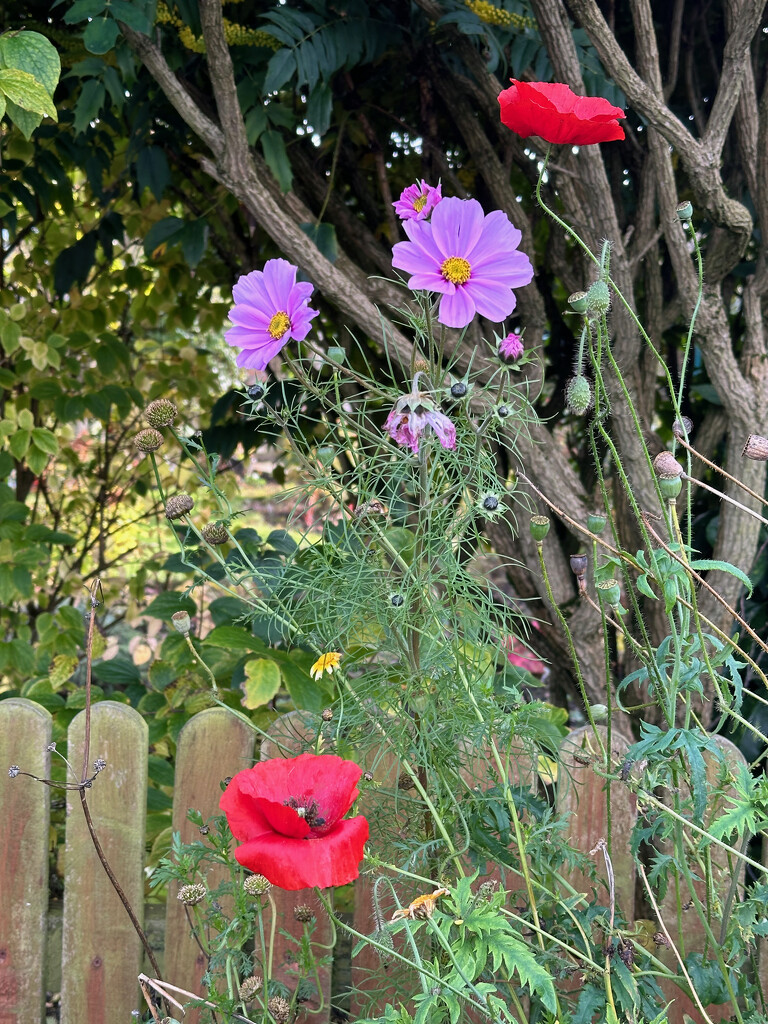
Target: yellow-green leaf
{"points": [[27, 92], [262, 681]]}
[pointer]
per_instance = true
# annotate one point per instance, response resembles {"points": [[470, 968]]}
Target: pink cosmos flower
{"points": [[520, 654], [417, 201], [471, 259], [270, 309], [411, 416], [511, 348]]}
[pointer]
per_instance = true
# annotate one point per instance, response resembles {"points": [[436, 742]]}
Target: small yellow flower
{"points": [[325, 663]]}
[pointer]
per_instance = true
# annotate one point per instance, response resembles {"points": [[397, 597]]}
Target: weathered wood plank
{"points": [[101, 954], [25, 732], [211, 747], [290, 735]]}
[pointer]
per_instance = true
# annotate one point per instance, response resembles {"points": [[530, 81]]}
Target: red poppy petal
{"points": [[301, 863], [284, 820], [328, 779], [245, 819], [554, 112]]}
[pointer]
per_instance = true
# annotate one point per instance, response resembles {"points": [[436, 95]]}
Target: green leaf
{"points": [[319, 108], [26, 92], [273, 148], [163, 232], [45, 440], [262, 681], [324, 237], [282, 542], [152, 171], [117, 670], [159, 770], [234, 638], [279, 70], [101, 35], [32, 52], [715, 563], [131, 14], [19, 443], [25, 120], [82, 9], [165, 604], [645, 588], [89, 103]]}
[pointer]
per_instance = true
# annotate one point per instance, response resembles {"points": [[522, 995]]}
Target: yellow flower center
{"points": [[456, 270], [419, 203], [278, 325]]}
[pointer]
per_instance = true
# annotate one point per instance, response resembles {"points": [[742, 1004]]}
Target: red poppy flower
{"points": [[287, 813], [555, 113]]}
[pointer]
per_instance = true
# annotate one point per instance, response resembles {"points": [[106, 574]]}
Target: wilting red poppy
{"points": [[555, 113], [287, 812]]}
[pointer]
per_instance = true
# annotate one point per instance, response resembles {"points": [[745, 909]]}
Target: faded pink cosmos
{"points": [[511, 348], [417, 201], [270, 309], [519, 654], [411, 416], [471, 259]]}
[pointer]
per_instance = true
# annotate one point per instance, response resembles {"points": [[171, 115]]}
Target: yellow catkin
{"points": [[493, 15]]}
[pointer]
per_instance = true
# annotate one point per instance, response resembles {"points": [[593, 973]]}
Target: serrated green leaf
{"points": [[45, 440], [32, 52], [19, 442], [25, 120], [26, 92]]}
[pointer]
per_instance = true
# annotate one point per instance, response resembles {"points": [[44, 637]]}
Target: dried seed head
{"points": [[578, 395], [660, 939], [579, 565], [215, 533], [368, 776], [178, 505], [486, 890], [160, 413], [280, 1009], [193, 894], [250, 987], [667, 467], [327, 715], [756, 448], [182, 622], [682, 427], [304, 913], [13, 771], [99, 765], [148, 440], [257, 885], [404, 781]]}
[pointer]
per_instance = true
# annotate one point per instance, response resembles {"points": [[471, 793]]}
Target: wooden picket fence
{"points": [[101, 954]]}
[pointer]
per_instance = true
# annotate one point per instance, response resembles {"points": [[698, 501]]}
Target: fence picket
{"points": [[289, 736], [212, 746], [25, 732], [101, 953]]}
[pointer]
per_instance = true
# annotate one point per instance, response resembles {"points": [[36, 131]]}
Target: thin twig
{"points": [[719, 469]]}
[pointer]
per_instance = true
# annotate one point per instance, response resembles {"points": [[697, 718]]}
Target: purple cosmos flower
{"points": [[511, 348], [270, 309], [471, 259], [417, 201], [411, 416]]}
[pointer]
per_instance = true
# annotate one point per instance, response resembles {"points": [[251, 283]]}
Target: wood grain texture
{"points": [[25, 732], [101, 954]]}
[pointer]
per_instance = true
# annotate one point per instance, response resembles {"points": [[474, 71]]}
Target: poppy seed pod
{"points": [[667, 467], [682, 427], [609, 591], [148, 440], [181, 622], [160, 413], [178, 505], [579, 565], [539, 528], [685, 210], [578, 302], [596, 522], [756, 448]]}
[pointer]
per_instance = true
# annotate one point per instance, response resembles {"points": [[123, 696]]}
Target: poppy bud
{"points": [[685, 210], [160, 413], [539, 528], [215, 533], [598, 298], [756, 448], [578, 395], [178, 505], [578, 302], [148, 440], [599, 712], [596, 522]]}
